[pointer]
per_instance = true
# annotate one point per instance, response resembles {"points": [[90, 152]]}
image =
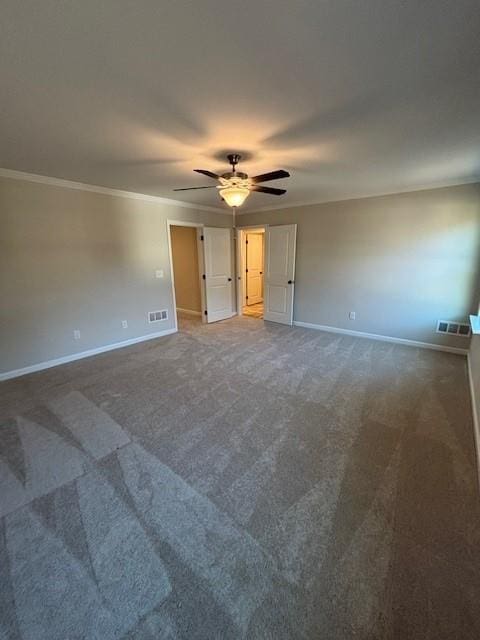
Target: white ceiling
{"points": [[354, 98]]}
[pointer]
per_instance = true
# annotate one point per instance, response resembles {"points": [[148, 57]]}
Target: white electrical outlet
{"points": [[76, 334], [159, 273], [351, 315], [124, 324]]}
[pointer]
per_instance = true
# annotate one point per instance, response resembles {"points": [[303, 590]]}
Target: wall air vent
{"points": [[157, 316], [454, 328], [464, 330]]}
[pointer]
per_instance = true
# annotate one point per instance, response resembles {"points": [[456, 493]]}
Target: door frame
{"points": [[240, 231], [199, 227]]}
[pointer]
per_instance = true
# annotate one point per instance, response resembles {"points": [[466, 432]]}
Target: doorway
{"points": [[273, 272], [186, 272], [252, 257], [202, 271]]}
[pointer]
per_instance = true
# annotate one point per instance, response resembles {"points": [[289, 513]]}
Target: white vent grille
{"points": [[454, 328], [157, 316]]}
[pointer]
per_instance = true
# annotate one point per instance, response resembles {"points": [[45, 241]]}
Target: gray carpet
{"points": [[241, 480]]}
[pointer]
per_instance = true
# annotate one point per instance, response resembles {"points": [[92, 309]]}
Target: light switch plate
{"points": [[159, 273]]}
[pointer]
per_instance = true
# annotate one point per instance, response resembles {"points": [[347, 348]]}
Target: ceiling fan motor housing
{"points": [[234, 174], [234, 158]]}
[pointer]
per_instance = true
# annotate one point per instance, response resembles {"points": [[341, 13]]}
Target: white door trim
{"points": [[199, 226], [251, 226], [239, 262]]}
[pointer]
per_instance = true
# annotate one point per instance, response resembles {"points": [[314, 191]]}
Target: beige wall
{"points": [[401, 262], [185, 268], [72, 259]]}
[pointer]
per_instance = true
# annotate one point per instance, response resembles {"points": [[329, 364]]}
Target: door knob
{"points": [[229, 279], [290, 282]]}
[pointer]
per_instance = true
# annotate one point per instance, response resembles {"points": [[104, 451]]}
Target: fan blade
{"points": [[210, 174], [272, 175], [190, 188], [271, 190]]}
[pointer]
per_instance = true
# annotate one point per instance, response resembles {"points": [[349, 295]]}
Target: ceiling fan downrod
{"points": [[234, 159]]}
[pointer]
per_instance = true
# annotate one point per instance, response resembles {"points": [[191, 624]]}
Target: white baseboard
{"points": [[8, 375], [476, 423], [375, 336], [189, 312]]}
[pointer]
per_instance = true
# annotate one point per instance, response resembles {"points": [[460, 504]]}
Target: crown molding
{"points": [[292, 205], [81, 186]]}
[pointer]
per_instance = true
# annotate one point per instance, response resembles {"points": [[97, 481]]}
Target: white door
{"points": [[218, 273], [280, 245], [254, 262]]}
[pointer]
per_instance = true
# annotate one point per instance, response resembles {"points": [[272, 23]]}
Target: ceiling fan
{"points": [[235, 186]]}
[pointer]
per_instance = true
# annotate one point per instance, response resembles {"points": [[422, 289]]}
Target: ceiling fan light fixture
{"points": [[235, 185], [234, 196]]}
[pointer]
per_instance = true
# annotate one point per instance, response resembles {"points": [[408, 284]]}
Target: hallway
{"points": [[253, 310]]}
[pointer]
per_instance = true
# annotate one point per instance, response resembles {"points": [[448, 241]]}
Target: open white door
{"points": [[254, 262], [280, 243], [218, 273]]}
